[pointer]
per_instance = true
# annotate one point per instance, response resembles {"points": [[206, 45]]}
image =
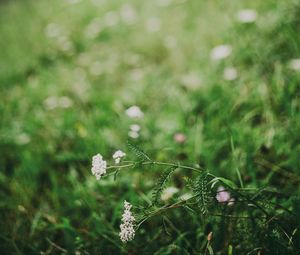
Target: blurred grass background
{"points": [[69, 70]]}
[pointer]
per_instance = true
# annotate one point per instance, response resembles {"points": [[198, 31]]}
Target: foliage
{"points": [[69, 70]]}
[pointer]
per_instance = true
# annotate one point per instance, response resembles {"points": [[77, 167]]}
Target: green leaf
{"points": [[228, 183], [138, 152], [201, 191], [162, 183]]}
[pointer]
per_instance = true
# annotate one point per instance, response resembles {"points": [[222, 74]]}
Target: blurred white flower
{"points": [[53, 30], [55, 102], [118, 155], [64, 43], [128, 14], [22, 139], [220, 52], [153, 24], [134, 112], [168, 193], [98, 166], [111, 19], [94, 28], [230, 73], [247, 16], [127, 231], [51, 102], [134, 131], [135, 127], [294, 64], [191, 81], [133, 134]]}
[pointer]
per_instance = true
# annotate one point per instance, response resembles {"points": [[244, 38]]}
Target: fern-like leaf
{"points": [[162, 183], [142, 156], [201, 192]]}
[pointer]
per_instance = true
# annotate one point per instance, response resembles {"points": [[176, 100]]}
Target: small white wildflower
{"points": [[118, 155], [134, 112], [127, 232], [134, 131], [191, 81], [51, 102], [247, 16], [230, 74], [168, 193], [133, 134], [135, 127], [128, 14], [94, 28], [22, 139], [294, 64], [98, 166], [220, 52]]}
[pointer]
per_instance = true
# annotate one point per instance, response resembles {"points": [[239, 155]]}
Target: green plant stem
{"points": [[199, 170]]}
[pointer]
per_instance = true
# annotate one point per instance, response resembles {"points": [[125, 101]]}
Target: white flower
{"points": [[98, 166], [191, 81], [133, 134], [118, 155], [134, 131], [220, 52], [135, 127], [127, 227], [230, 73], [128, 14], [294, 64], [247, 16], [168, 193], [134, 112]]}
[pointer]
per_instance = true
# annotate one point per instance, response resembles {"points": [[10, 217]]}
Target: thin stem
{"points": [[199, 170]]}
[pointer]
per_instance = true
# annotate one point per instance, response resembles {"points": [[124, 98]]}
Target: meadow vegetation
{"points": [[211, 87]]}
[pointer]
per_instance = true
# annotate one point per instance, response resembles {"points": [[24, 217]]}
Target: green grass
{"points": [[51, 204]]}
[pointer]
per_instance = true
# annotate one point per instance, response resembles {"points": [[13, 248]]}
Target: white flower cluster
{"points": [[247, 16], [127, 232], [134, 112], [134, 131], [118, 155], [220, 52], [98, 166]]}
